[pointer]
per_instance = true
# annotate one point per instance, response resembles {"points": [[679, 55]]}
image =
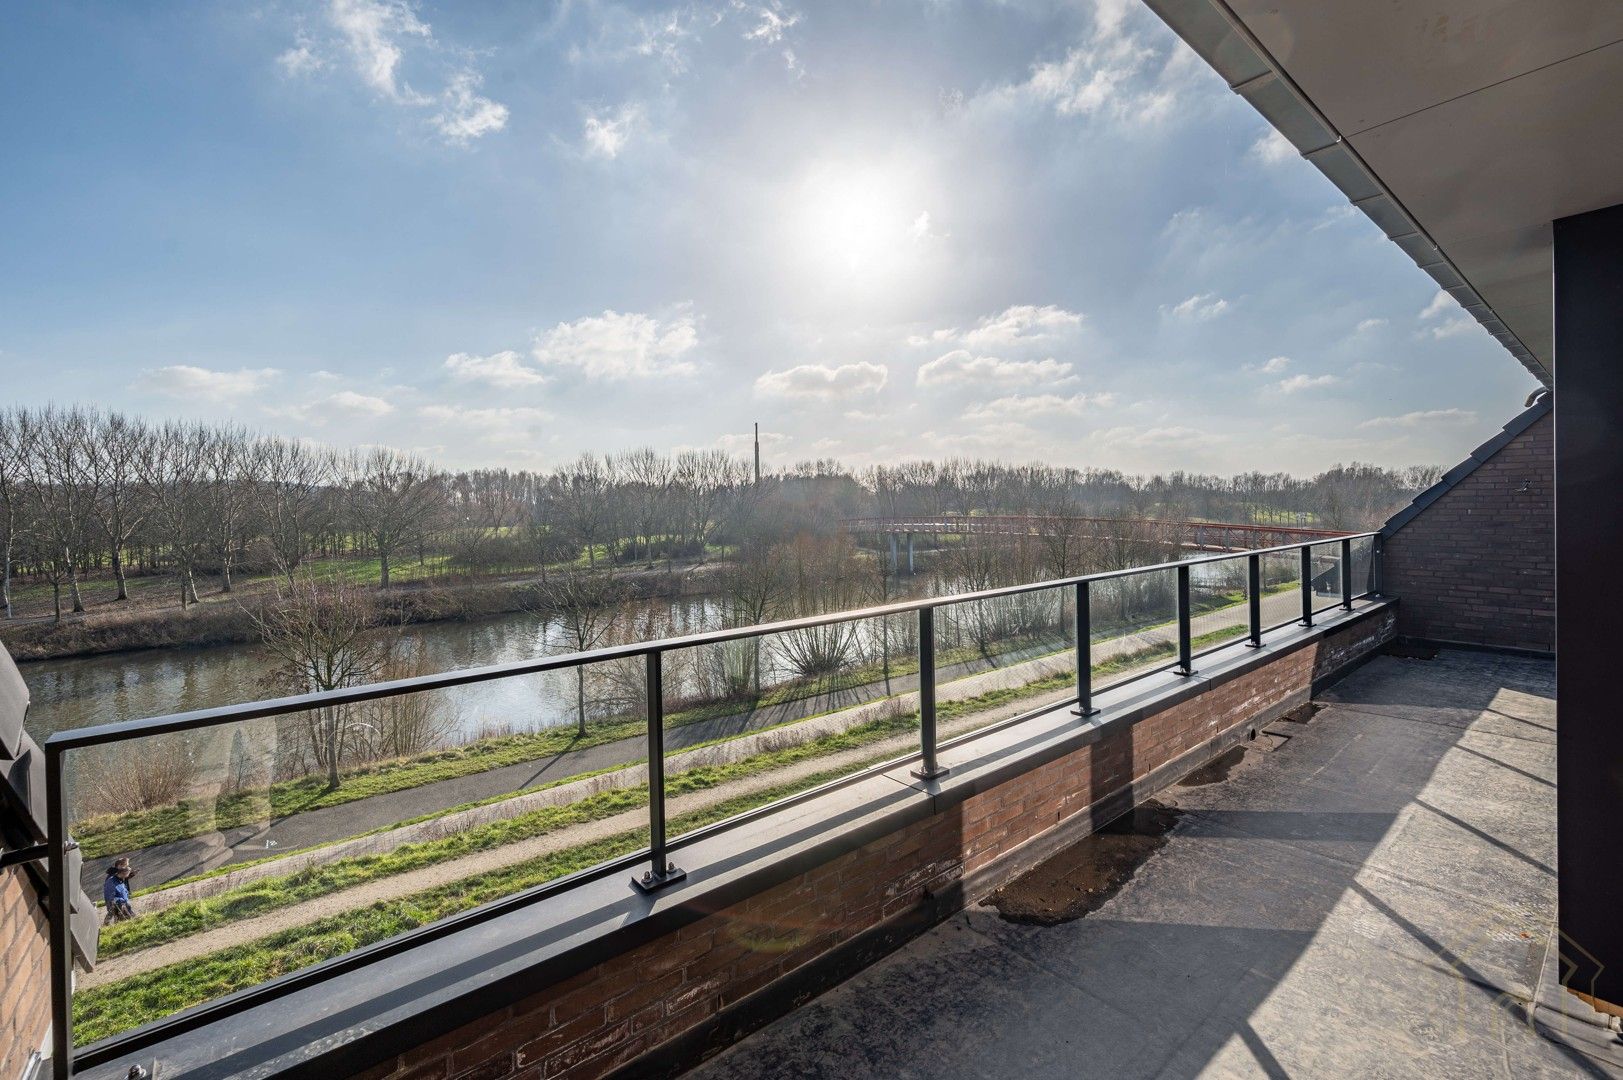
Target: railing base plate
{"points": [[1084, 712], [929, 774], [651, 882]]}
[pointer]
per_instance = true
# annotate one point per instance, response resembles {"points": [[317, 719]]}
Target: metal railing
{"points": [[652, 867]]}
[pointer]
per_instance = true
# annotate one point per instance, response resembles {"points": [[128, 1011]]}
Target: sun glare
{"points": [[855, 225]]}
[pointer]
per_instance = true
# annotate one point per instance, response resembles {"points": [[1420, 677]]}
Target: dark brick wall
{"points": [[25, 982], [1478, 565], [612, 1014]]}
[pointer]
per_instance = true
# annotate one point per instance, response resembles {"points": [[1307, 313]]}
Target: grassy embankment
{"points": [[118, 833], [109, 834], [107, 1010]]}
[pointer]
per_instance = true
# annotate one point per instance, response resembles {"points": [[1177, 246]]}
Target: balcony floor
{"points": [[1374, 896]]}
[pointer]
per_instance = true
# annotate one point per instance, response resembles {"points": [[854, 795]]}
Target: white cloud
{"points": [[376, 36], [1440, 304], [1455, 327], [1366, 325], [186, 381], [1198, 308], [505, 369], [822, 381], [301, 59], [923, 229], [516, 425], [1018, 325], [1271, 366], [621, 346], [1180, 439], [772, 20], [1426, 418], [1023, 407], [962, 367], [372, 31], [348, 401], [606, 132], [1114, 74], [1273, 148], [465, 115], [1297, 383]]}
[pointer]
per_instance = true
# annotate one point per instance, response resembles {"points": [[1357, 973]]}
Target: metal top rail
{"points": [[660, 872], [187, 721]]}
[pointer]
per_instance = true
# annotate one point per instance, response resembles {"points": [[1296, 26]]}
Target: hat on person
{"points": [[121, 864]]}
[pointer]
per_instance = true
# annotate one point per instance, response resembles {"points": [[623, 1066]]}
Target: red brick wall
{"points": [[1478, 565], [25, 989], [611, 1014]]}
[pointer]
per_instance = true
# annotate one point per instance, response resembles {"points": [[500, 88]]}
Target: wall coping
{"points": [[356, 1019], [1478, 458]]}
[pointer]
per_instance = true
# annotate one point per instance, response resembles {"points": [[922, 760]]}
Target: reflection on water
{"points": [[80, 692]]}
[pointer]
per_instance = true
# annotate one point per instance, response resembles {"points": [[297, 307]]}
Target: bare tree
{"points": [[325, 633], [393, 496], [114, 449], [586, 604], [175, 471]]}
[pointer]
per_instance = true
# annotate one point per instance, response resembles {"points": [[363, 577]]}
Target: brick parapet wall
{"points": [[628, 1008], [25, 994], [1478, 565]]}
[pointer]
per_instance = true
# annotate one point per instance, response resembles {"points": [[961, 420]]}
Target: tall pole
{"points": [[757, 452]]}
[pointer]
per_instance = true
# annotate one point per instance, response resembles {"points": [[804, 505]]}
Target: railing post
{"points": [[1253, 599], [1307, 584], [662, 872], [1084, 653], [1377, 556], [930, 768], [1346, 575], [61, 928], [1186, 653]]}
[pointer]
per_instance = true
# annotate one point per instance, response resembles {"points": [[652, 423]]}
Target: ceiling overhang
{"points": [[1461, 128]]}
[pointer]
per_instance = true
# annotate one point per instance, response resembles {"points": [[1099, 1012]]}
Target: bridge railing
{"points": [[654, 866]]}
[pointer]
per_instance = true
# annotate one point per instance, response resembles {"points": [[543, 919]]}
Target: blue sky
{"points": [[503, 233]]}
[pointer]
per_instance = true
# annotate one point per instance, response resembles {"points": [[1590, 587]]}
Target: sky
{"points": [[500, 234]]}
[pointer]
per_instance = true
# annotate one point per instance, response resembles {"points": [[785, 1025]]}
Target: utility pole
{"points": [[757, 453]]}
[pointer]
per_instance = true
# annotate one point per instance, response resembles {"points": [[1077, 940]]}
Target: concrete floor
{"points": [[1372, 896]]}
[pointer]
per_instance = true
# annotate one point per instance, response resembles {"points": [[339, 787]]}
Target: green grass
{"points": [[110, 834], [118, 833], [107, 1010], [268, 894]]}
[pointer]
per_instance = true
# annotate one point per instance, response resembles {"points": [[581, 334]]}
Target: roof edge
{"points": [[1543, 404]]}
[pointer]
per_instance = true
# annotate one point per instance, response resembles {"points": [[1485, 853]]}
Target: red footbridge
{"points": [[1213, 536]]}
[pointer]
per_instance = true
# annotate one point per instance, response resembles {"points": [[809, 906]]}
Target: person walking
{"points": [[115, 892]]}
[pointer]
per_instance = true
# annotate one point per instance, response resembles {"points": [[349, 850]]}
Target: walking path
{"points": [[428, 877], [182, 858]]}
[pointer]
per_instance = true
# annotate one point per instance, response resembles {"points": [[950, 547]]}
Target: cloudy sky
{"points": [[502, 233]]}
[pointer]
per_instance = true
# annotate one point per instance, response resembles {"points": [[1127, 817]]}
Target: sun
{"points": [[854, 225]]}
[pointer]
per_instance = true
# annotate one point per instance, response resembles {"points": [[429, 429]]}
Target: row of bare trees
{"points": [[89, 493]]}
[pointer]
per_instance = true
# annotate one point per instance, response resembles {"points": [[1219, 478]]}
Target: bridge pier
{"points": [[909, 554], [893, 556]]}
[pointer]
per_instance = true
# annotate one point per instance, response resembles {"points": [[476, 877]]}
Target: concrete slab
{"points": [[1373, 896]]}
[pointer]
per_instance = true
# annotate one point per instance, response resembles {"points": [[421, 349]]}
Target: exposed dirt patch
{"points": [[1408, 650], [1086, 874]]}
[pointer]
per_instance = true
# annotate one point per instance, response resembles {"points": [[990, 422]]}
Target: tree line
{"points": [[90, 493]]}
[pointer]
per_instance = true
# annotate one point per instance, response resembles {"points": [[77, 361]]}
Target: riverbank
{"points": [[228, 618]]}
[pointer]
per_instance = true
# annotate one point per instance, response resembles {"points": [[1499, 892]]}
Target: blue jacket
{"points": [[114, 890]]}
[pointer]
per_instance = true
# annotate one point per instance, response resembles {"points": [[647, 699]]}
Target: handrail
{"points": [[118, 731], [660, 873]]}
